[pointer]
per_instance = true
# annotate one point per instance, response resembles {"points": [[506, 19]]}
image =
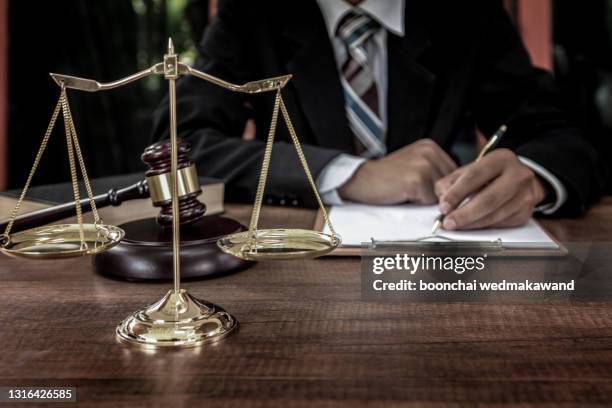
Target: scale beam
{"points": [[253, 87], [90, 85]]}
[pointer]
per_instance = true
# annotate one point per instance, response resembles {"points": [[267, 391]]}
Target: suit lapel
{"points": [[410, 83], [315, 77]]}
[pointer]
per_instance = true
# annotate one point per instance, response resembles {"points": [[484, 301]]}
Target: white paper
{"points": [[358, 223]]}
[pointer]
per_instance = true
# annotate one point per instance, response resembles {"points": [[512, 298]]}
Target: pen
{"points": [[493, 141]]}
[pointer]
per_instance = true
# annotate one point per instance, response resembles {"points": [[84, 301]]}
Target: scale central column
{"points": [[177, 319], [171, 74]]}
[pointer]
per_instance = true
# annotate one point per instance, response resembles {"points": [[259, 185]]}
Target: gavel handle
{"points": [[44, 216]]}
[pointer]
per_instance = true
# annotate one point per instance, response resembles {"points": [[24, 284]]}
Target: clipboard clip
{"points": [[438, 243]]}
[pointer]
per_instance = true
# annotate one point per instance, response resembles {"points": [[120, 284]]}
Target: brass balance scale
{"points": [[178, 319]]}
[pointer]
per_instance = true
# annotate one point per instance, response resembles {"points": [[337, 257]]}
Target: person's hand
{"points": [[503, 192], [405, 175]]}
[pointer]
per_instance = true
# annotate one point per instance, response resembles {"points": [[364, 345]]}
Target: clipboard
{"points": [[560, 251]]}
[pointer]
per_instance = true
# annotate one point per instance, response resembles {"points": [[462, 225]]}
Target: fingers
{"points": [[507, 199], [419, 184], [426, 194], [503, 218], [513, 212], [437, 164], [474, 177], [484, 207], [443, 184], [423, 163]]}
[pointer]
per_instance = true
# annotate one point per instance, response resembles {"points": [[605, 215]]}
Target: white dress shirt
{"points": [[390, 15]]}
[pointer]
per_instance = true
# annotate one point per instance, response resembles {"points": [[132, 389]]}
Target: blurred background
{"points": [[110, 39]]}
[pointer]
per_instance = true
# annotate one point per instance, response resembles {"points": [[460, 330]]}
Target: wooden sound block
{"points": [[146, 251]]}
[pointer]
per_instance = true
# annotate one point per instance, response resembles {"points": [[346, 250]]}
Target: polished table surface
{"points": [[306, 338]]}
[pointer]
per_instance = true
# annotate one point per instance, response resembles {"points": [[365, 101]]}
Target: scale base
{"points": [[176, 320]]}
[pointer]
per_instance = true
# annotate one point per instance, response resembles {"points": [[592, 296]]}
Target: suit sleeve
{"points": [[213, 118], [509, 89]]}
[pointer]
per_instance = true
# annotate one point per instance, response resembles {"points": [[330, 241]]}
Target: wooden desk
{"points": [[306, 339]]}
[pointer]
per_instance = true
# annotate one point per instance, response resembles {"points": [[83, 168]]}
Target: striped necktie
{"points": [[360, 92]]}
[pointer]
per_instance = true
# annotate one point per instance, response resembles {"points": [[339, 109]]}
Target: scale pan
{"points": [[62, 241], [277, 244]]}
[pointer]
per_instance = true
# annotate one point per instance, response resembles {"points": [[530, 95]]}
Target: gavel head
{"points": [[159, 181]]}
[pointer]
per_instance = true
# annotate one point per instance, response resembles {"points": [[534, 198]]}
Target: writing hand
{"points": [[406, 175], [503, 192]]}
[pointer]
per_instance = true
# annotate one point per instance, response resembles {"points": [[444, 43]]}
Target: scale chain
{"points": [[72, 147], [73, 171], [39, 154], [280, 104], [77, 148], [265, 165], [300, 153]]}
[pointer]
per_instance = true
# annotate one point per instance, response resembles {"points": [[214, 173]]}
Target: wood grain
{"points": [[306, 338]]}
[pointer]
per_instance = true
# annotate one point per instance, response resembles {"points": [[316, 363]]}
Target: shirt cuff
{"points": [[335, 174], [557, 186]]}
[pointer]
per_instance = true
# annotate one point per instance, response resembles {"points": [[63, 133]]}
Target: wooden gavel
{"points": [[156, 185]]}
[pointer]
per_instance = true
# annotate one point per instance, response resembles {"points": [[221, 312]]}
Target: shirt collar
{"points": [[388, 13]]}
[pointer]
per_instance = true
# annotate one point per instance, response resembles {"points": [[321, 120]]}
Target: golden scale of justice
{"points": [[177, 319]]}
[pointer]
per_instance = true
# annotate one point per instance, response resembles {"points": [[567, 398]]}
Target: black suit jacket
{"points": [[459, 64]]}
